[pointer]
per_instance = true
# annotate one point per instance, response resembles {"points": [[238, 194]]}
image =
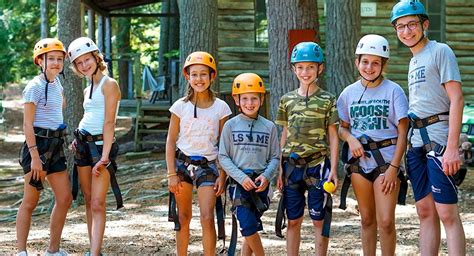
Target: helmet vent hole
{"points": [[260, 84], [237, 85]]}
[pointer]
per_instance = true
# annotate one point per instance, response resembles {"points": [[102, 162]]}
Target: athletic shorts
{"points": [[43, 145], [183, 168], [249, 219], [426, 175], [295, 198]]}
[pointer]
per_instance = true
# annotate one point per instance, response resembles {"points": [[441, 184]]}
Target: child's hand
{"points": [[280, 183], [356, 147], [263, 183], [389, 180], [333, 177], [219, 186], [100, 166], [248, 184], [174, 184], [73, 145]]}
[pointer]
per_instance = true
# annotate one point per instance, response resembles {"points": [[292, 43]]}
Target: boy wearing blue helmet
{"points": [[435, 112], [309, 144]]}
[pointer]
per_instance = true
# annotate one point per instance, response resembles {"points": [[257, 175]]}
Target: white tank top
{"points": [[94, 110]]}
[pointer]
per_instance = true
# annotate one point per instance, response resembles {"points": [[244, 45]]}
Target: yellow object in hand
{"points": [[329, 187]]}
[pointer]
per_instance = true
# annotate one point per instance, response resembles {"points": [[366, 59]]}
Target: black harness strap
{"points": [[85, 136], [421, 124], [255, 203], [280, 220], [185, 175], [352, 166]]}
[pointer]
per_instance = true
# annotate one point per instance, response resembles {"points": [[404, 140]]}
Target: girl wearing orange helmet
{"points": [[42, 156], [94, 144], [191, 150]]}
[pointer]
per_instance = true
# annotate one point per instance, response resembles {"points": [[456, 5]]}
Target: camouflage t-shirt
{"points": [[307, 126]]}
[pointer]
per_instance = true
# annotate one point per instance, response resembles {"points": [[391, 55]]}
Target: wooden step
{"points": [[153, 119], [152, 131]]}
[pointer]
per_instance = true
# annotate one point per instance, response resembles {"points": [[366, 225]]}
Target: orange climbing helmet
{"points": [[46, 45], [202, 58], [247, 82]]}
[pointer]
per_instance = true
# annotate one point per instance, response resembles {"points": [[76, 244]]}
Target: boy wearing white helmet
{"points": [[94, 145], [435, 112], [374, 123], [42, 155]]}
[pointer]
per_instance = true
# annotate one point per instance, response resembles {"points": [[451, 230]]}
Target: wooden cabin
{"points": [[242, 47]]}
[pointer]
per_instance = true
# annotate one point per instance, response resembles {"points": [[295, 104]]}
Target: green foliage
{"points": [[19, 31]]}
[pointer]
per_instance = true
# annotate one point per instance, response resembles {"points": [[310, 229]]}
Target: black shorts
{"points": [[83, 156], [43, 144]]}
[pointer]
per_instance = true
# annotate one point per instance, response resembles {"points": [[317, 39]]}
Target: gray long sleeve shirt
{"points": [[240, 150]]}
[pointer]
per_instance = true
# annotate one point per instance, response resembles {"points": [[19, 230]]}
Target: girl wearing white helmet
{"points": [[42, 155], [94, 145], [374, 123]]}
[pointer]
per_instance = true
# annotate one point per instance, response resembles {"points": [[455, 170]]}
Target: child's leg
{"points": [[455, 237], [430, 231], [185, 212], [207, 202], [364, 192], [321, 242], [293, 236], [85, 180], [61, 187], [252, 244], [100, 185], [23, 217], [385, 209]]}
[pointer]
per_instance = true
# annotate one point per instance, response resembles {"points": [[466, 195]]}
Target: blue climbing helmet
{"points": [[407, 8], [307, 52]]}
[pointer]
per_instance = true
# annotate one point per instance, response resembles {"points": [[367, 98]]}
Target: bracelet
{"points": [[172, 174], [394, 166], [32, 147]]}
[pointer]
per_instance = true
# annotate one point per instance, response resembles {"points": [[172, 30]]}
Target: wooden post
{"points": [[91, 24], [44, 18], [100, 32], [108, 44]]}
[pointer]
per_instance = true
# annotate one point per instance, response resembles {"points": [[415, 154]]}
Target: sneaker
{"points": [[22, 253], [61, 252]]}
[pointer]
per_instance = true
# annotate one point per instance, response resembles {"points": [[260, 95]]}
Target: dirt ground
{"points": [[141, 228]]}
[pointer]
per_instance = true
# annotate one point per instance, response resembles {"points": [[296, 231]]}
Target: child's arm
{"points": [[174, 183], [390, 178], [354, 144], [284, 133], [273, 166], [451, 160], [334, 152], [219, 186]]}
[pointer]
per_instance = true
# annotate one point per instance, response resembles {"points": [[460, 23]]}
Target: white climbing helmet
{"points": [[81, 46], [373, 45]]}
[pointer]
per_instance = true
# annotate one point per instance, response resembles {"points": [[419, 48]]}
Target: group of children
{"points": [[42, 155], [373, 116], [206, 150]]}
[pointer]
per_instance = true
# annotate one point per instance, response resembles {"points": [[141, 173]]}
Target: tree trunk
{"points": [[123, 46], [164, 39], [44, 18], [173, 43], [284, 15], [69, 28], [342, 35], [198, 32]]}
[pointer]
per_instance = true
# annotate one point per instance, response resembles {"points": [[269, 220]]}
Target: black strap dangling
{"points": [[92, 80]]}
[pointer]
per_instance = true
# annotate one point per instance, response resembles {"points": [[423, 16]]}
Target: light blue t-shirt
{"points": [[376, 115], [429, 69]]}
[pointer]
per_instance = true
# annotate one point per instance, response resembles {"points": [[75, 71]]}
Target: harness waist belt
{"points": [[419, 123], [48, 133], [303, 160], [189, 159], [88, 138]]}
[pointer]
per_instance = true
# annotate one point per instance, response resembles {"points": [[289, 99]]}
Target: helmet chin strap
{"points": [[368, 82], [46, 78], [309, 85], [92, 80], [250, 136]]}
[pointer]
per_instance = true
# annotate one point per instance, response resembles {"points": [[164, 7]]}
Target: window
{"points": [[437, 14], [261, 24]]}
